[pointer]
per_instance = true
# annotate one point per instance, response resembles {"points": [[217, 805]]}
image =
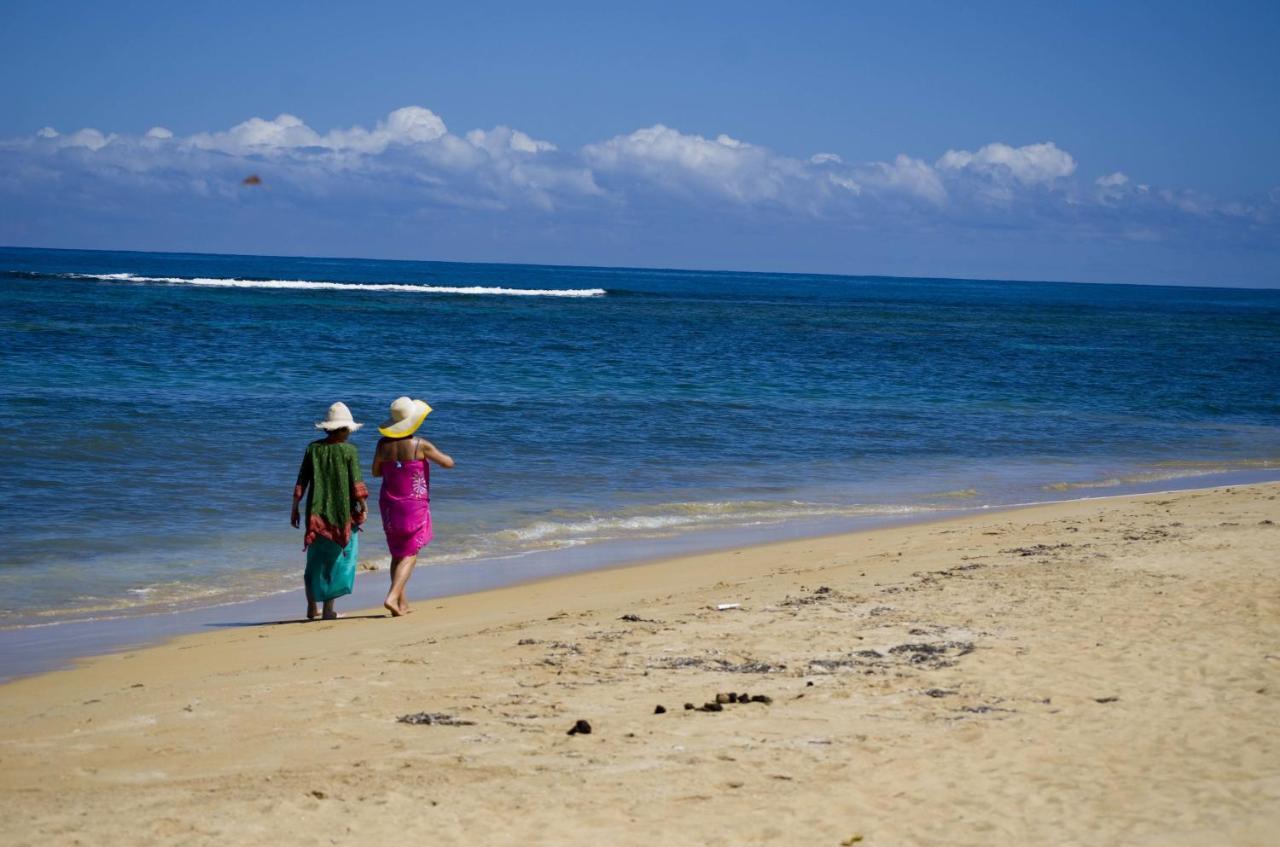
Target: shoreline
{"points": [[24, 652], [216, 568], [1109, 661]]}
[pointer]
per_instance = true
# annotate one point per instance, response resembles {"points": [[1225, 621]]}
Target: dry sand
{"points": [[1100, 672]]}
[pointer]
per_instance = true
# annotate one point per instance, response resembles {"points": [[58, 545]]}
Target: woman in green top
{"points": [[330, 477]]}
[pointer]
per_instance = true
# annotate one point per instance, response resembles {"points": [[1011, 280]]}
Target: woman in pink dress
{"points": [[403, 462]]}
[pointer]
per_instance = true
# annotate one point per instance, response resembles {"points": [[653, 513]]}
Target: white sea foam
{"points": [[663, 519], [375, 288]]}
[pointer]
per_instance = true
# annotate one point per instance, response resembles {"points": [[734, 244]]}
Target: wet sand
{"points": [[1098, 672]]}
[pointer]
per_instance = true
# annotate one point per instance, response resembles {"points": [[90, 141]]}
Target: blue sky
{"points": [[1124, 142]]}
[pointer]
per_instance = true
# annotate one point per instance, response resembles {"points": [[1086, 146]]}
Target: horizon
{"points": [[661, 269]]}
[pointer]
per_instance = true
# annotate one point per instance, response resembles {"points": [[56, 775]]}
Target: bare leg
{"points": [[329, 612], [401, 570], [392, 603], [313, 610], [406, 571]]}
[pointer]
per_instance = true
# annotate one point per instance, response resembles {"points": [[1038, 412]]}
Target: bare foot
{"points": [[313, 611], [404, 607], [392, 607], [332, 616]]}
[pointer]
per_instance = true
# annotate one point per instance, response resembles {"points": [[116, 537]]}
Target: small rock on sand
{"points": [[580, 728]]}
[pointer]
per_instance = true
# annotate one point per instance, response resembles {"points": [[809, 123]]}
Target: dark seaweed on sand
{"points": [[433, 719]]}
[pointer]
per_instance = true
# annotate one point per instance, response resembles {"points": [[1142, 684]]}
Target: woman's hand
{"points": [[294, 517]]}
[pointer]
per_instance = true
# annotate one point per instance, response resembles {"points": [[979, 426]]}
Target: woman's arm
{"points": [[376, 470], [300, 487], [359, 492], [430, 451]]}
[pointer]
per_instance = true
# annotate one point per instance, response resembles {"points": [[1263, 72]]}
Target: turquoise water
{"points": [[156, 405]]}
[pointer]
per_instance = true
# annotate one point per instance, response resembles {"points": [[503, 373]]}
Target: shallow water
{"points": [[157, 405]]}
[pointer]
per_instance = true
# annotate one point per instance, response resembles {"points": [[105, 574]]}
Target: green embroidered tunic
{"points": [[330, 475]]}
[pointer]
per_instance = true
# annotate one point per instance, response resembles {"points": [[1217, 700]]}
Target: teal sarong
{"points": [[331, 570]]}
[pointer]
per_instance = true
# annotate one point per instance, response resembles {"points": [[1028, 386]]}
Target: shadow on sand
{"points": [[237, 624]]}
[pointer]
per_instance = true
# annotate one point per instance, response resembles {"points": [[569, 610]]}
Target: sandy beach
{"points": [[1102, 672]]}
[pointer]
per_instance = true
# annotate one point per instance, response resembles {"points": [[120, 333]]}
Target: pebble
{"points": [[580, 728], [660, 710]]}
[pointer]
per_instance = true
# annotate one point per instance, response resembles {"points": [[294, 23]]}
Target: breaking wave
{"points": [[323, 285], [671, 518]]}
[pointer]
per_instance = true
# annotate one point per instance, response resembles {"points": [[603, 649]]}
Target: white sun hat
{"points": [[406, 416], [339, 417]]}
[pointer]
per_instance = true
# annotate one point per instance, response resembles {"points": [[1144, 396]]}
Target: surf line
{"points": [[317, 285]]}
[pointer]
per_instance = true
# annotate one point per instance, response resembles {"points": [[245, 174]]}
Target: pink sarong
{"points": [[405, 503]]}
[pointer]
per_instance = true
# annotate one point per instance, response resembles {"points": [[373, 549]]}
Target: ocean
{"points": [[156, 407]]}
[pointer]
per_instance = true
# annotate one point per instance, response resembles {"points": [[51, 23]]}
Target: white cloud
{"points": [[691, 164], [660, 146], [412, 125], [407, 126], [258, 136], [501, 140], [1186, 201], [726, 167], [411, 161], [1115, 187], [844, 182], [1034, 164], [908, 176], [88, 138]]}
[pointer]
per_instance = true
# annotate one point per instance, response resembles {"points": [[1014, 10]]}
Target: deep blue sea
{"points": [[156, 406]]}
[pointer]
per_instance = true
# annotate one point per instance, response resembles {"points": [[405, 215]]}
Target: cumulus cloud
{"points": [[501, 139], [727, 168], [1114, 188], [407, 126], [691, 164], [410, 161], [1034, 164], [410, 156], [90, 139], [906, 176]]}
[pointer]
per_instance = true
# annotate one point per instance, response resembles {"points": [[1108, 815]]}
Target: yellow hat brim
{"points": [[408, 426]]}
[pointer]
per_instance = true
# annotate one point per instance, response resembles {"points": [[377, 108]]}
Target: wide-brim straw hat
{"points": [[338, 417], [406, 416]]}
